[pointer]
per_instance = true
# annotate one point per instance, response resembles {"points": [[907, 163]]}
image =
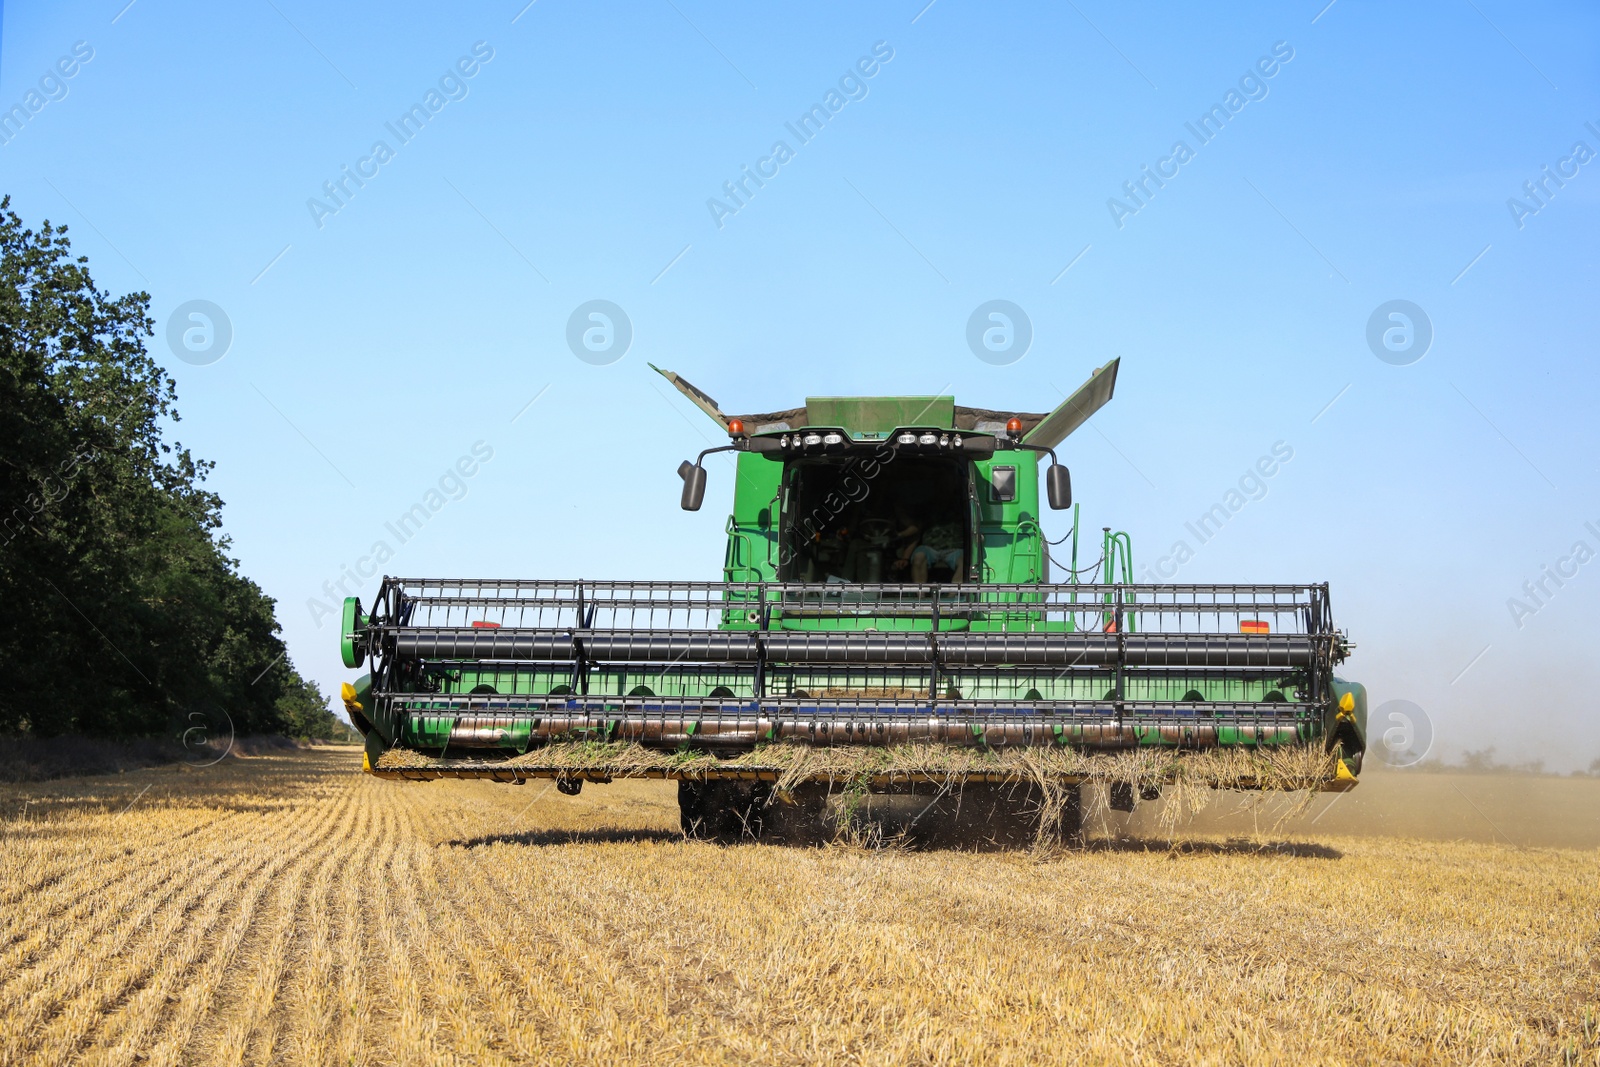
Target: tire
{"points": [[726, 812], [1069, 828], [692, 809], [799, 819], [1000, 815]]}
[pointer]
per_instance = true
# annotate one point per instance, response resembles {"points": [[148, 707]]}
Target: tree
{"points": [[123, 611], [303, 711]]}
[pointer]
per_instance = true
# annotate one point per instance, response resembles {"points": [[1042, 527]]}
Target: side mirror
{"points": [[694, 485], [1057, 480]]}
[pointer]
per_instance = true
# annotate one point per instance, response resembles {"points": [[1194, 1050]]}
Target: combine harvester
{"points": [[888, 622]]}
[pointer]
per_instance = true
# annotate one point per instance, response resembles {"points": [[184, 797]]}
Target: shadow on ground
{"points": [[920, 843], [544, 838], [1234, 846]]}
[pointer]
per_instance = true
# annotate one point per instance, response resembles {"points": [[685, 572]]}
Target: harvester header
{"points": [[887, 592]]}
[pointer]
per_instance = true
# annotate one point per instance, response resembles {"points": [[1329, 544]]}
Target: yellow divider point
{"points": [[1347, 705]]}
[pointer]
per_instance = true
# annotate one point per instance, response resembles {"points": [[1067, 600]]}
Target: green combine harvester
{"points": [[889, 620]]}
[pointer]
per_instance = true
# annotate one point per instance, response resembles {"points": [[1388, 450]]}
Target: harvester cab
{"points": [[888, 615], [868, 489]]}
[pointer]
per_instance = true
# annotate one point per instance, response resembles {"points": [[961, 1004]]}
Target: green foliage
{"points": [[303, 711], [123, 611]]}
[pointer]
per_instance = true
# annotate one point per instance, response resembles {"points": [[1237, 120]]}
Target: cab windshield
{"points": [[905, 519]]}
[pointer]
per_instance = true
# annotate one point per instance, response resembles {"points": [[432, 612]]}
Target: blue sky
{"points": [[373, 346]]}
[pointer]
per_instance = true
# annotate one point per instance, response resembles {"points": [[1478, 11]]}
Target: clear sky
{"points": [[1368, 153]]}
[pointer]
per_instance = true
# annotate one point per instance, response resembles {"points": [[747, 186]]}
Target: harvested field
{"points": [[286, 908]]}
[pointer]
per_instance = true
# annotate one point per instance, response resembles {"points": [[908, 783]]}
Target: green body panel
{"points": [[752, 554], [350, 618], [875, 416], [1013, 540]]}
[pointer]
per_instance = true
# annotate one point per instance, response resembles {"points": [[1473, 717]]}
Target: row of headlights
{"points": [[810, 440], [942, 440]]}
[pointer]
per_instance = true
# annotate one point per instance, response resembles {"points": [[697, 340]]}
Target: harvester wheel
{"points": [[800, 817], [1003, 814], [1068, 828], [726, 812], [692, 808]]}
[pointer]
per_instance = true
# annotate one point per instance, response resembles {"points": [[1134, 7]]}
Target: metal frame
{"points": [[974, 664]]}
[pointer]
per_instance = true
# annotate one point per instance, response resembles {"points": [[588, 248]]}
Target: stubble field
{"points": [[288, 909]]}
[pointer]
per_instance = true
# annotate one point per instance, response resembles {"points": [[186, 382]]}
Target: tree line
{"points": [[121, 612]]}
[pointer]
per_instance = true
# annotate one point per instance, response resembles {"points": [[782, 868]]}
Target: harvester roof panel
{"points": [[876, 416], [862, 415], [951, 416]]}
